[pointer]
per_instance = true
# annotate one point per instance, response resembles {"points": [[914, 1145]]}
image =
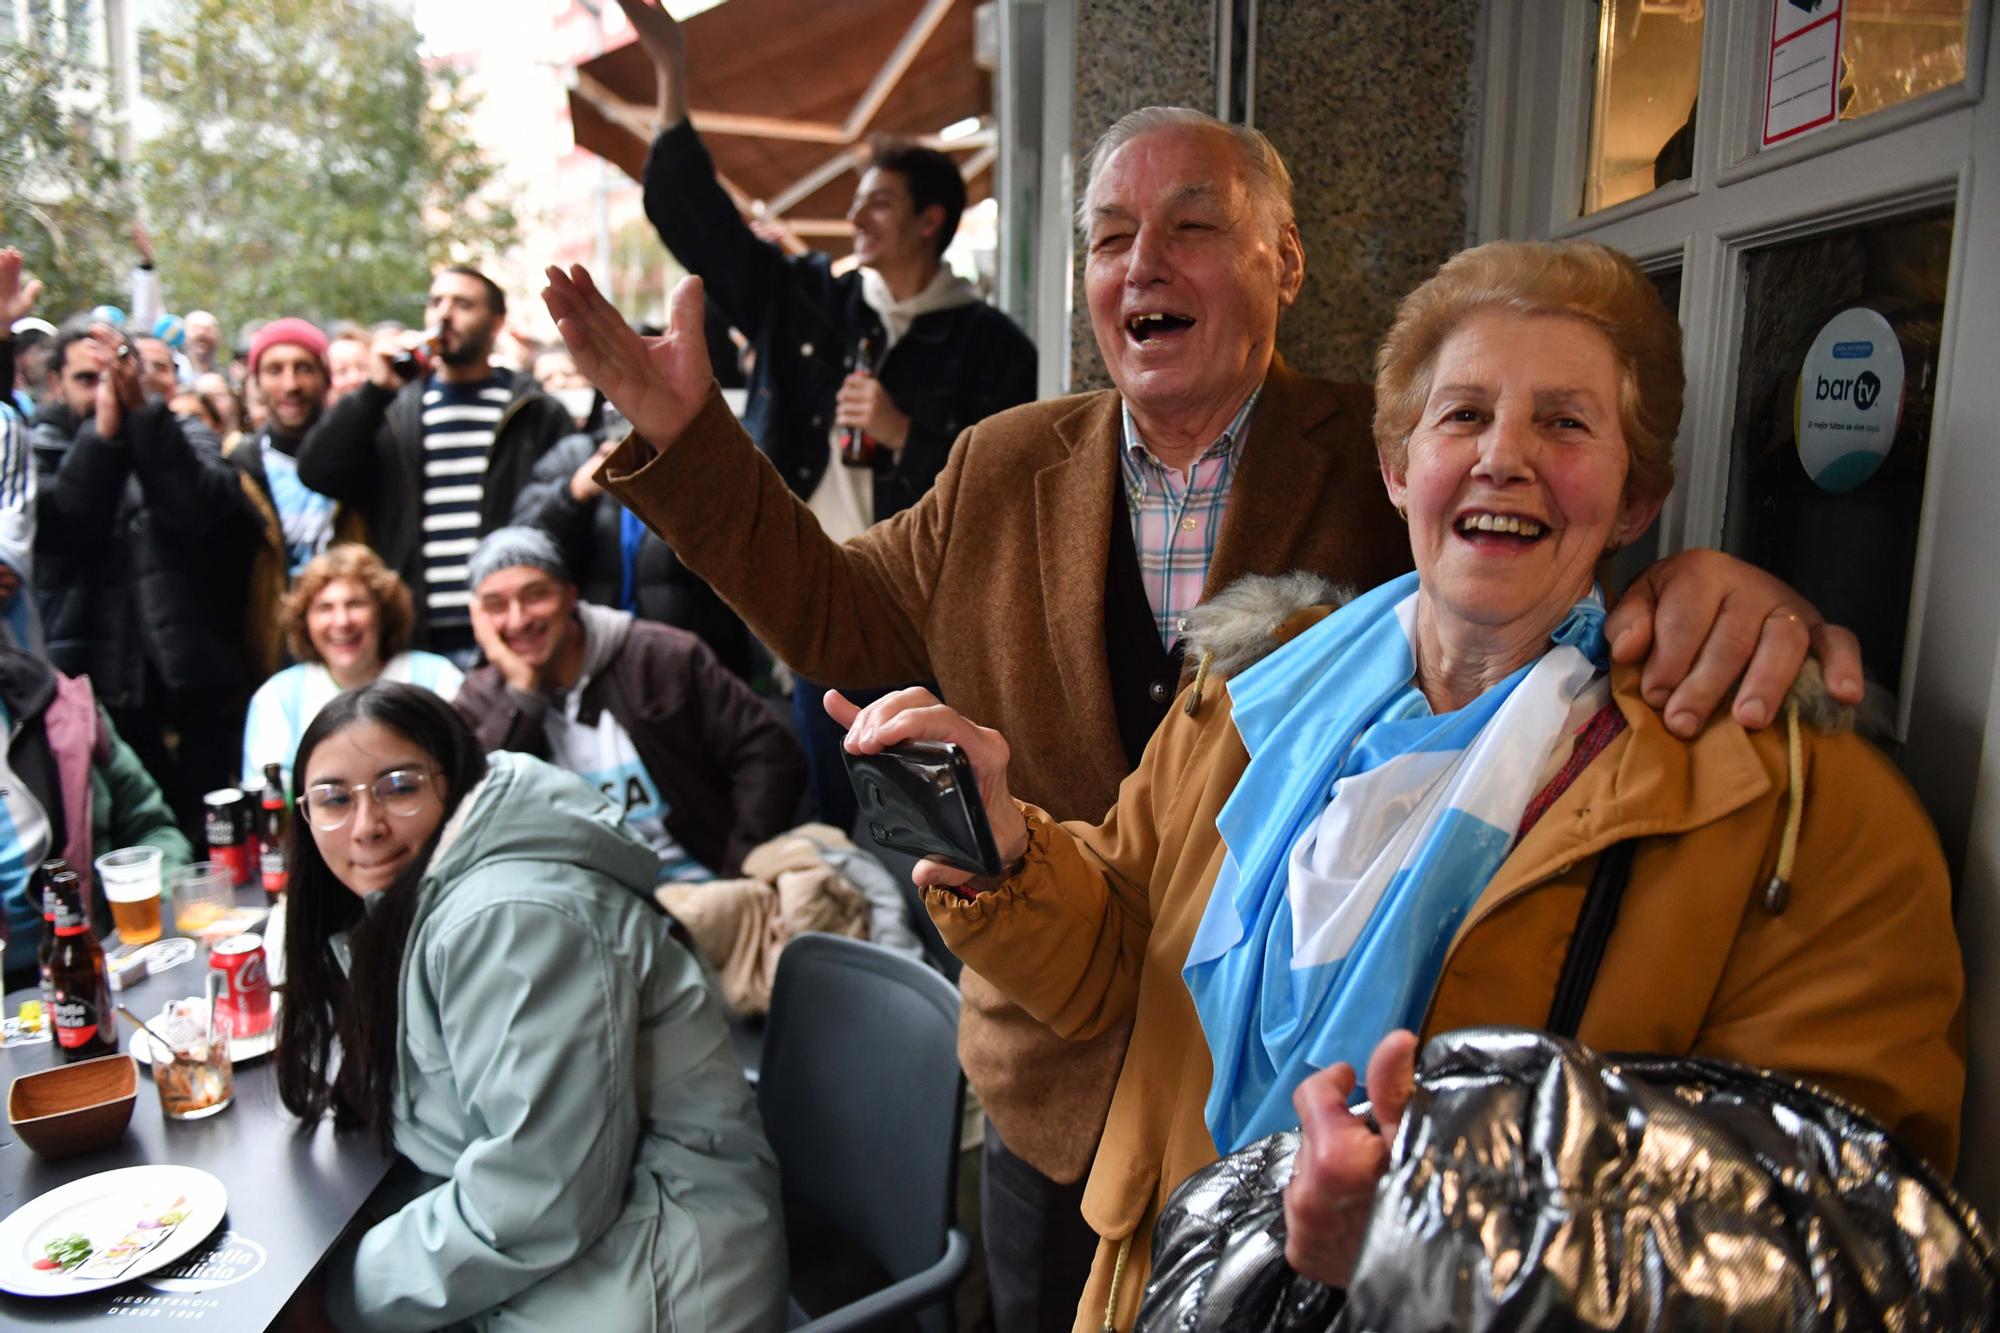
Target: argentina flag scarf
{"points": [[1360, 834]]}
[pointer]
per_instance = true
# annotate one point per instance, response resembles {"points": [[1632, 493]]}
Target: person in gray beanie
{"points": [[515, 548], [701, 767]]}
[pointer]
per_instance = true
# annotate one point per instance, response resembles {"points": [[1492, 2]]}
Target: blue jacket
{"points": [[566, 1073]]}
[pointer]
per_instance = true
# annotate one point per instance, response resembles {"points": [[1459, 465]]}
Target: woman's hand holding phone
{"points": [[917, 715]]}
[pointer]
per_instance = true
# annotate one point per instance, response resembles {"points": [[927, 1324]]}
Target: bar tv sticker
{"points": [[1850, 400]]}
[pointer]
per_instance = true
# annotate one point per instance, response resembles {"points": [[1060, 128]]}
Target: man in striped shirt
{"points": [[435, 463]]}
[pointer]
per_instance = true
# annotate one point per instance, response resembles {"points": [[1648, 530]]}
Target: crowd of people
{"points": [[1318, 717]]}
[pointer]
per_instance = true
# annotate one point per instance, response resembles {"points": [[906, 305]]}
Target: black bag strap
{"points": [[1593, 930]]}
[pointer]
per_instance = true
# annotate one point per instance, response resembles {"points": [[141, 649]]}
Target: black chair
{"points": [[899, 865], [863, 1100]]}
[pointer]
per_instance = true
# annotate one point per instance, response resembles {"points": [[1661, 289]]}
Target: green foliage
{"points": [[309, 164], [63, 200]]}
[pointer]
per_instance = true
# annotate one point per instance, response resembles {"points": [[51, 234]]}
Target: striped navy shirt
{"points": [[459, 423]]}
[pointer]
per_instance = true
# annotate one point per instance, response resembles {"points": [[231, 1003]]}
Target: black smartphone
{"points": [[921, 797]]}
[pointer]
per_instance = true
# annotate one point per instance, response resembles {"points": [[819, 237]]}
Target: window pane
{"points": [[76, 29], [1642, 118], [1829, 451], [1894, 50]]}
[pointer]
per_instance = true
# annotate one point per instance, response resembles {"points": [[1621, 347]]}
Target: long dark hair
{"points": [[358, 1006]]}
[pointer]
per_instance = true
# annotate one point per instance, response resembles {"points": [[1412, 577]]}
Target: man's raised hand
{"points": [[16, 301], [660, 38], [658, 384]]}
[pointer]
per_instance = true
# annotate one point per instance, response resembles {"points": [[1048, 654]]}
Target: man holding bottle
{"points": [[893, 359], [432, 456]]}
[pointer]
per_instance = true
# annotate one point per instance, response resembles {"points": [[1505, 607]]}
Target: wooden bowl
{"points": [[74, 1108]]}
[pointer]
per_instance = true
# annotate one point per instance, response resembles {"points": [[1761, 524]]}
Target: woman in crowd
{"points": [[69, 787], [1383, 819], [347, 621], [478, 937]]}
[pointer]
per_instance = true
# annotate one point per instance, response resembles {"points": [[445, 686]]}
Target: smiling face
{"points": [[1186, 276], [344, 627], [293, 383], [374, 845], [888, 229], [533, 611], [1515, 480]]}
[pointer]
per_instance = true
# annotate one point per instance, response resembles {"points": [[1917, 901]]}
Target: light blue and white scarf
{"points": [[1360, 834]]}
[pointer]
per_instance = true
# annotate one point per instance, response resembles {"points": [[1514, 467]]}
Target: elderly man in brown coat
{"points": [[1043, 581]]}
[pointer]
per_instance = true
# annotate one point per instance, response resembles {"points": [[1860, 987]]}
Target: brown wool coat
{"points": [[1857, 985], [992, 585]]}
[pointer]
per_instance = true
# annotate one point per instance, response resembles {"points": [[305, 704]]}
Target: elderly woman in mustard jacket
{"points": [[1382, 818]]}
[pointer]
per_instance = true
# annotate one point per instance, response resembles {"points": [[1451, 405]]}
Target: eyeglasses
{"points": [[329, 805]]}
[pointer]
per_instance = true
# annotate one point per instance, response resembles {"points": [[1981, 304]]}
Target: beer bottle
{"points": [[40, 887], [857, 447], [86, 1023], [271, 828]]}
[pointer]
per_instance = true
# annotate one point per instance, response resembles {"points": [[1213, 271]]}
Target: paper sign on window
{"points": [[1804, 78]]}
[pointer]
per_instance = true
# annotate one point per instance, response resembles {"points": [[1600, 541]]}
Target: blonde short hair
{"points": [[1578, 279], [361, 566]]}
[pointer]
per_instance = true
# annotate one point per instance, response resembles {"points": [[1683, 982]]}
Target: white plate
{"points": [[241, 1049], [106, 1209]]}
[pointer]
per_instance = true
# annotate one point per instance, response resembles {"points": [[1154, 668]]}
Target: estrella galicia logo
{"points": [[1867, 388]]}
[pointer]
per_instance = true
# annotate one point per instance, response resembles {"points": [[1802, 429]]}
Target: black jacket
{"points": [[952, 369], [727, 768], [367, 451], [141, 554], [589, 535]]}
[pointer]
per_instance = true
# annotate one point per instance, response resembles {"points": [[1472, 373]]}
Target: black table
{"points": [[291, 1193]]}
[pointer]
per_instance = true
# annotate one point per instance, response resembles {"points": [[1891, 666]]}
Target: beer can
{"points": [[227, 820], [243, 1008]]}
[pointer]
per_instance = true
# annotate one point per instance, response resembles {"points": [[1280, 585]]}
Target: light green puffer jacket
{"points": [[566, 1071]]}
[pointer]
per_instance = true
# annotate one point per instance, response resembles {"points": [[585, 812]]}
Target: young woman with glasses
{"points": [[476, 935]]}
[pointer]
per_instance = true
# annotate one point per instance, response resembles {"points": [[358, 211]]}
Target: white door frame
{"points": [[1940, 150]]}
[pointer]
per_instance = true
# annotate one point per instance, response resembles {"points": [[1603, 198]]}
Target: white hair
{"points": [[1270, 181]]}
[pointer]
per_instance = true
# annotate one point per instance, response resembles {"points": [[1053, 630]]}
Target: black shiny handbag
{"points": [[1536, 1184]]}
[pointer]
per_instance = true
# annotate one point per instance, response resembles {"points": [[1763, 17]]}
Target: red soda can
{"points": [[227, 821], [243, 1009]]}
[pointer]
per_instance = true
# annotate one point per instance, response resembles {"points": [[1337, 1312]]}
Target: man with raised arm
{"points": [[1043, 581], [900, 350]]}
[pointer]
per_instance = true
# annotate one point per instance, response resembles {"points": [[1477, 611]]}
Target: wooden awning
{"points": [[787, 92]]}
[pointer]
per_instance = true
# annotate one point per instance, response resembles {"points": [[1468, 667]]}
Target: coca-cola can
{"points": [[243, 1008], [226, 818]]}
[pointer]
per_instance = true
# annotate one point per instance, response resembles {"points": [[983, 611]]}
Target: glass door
{"points": [[1821, 181]]}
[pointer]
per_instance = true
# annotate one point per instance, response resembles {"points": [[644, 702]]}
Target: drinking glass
{"points": [[202, 892], [194, 1075], [131, 880]]}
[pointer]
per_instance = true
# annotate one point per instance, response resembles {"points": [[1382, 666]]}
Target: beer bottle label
{"points": [[70, 919], [76, 1021], [271, 866]]}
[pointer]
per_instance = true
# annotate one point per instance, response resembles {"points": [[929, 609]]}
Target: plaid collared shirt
{"points": [[1177, 518]]}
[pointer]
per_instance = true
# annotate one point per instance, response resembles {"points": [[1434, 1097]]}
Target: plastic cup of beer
{"points": [[194, 1076], [202, 892], [131, 880]]}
